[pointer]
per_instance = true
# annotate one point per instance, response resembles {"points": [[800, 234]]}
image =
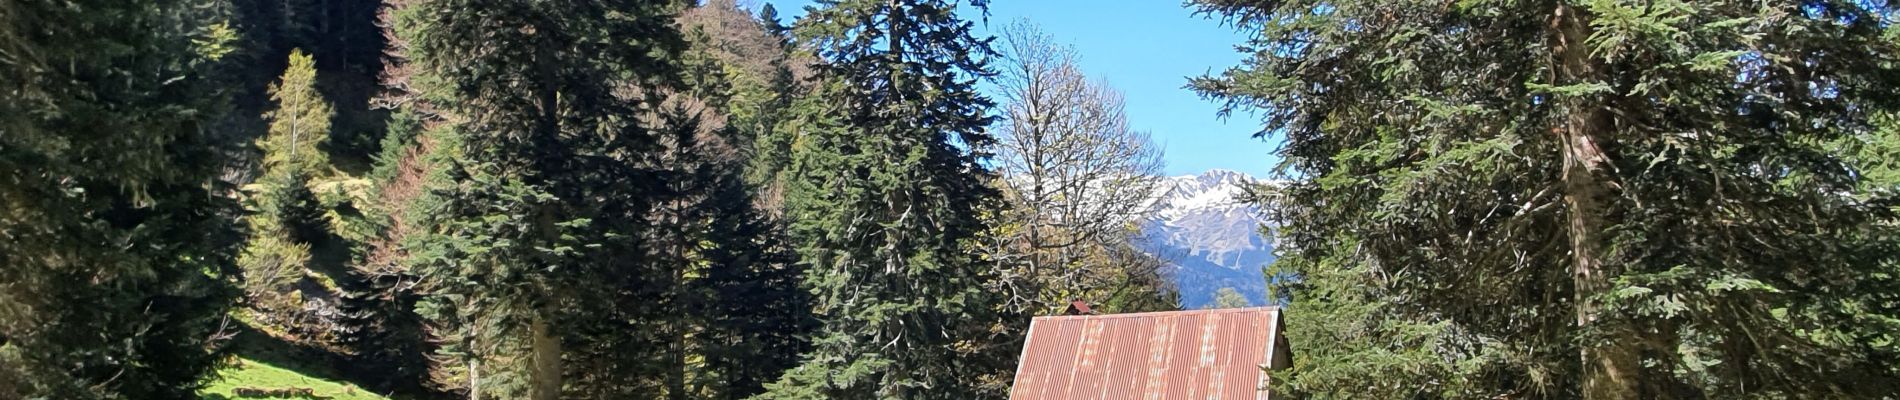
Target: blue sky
{"points": [[1147, 49]]}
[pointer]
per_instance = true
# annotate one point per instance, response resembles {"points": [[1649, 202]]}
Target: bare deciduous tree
{"points": [[1078, 177]]}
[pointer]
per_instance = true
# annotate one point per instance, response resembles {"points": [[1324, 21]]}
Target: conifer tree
{"points": [[758, 318], [378, 325], [1578, 199], [763, 74], [735, 315], [884, 193], [729, 311], [530, 260], [285, 217], [115, 238], [300, 124]]}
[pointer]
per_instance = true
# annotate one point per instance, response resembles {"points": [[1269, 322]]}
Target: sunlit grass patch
{"points": [[247, 373]]}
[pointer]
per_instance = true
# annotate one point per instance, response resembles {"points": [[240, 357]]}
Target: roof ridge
{"points": [[1274, 309]]}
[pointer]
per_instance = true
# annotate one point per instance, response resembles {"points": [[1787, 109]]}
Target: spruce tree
{"points": [[884, 193], [115, 239], [757, 317], [378, 326], [1595, 199], [285, 218], [734, 314], [530, 259], [728, 313], [300, 125]]}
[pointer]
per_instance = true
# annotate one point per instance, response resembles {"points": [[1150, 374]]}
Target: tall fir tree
{"points": [[530, 260], [1595, 199], [285, 217], [381, 326], [378, 325], [115, 241], [300, 125], [884, 194], [733, 314]]}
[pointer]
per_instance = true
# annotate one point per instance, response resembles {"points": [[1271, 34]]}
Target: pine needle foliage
{"points": [[884, 195], [1596, 199], [115, 234], [285, 218], [301, 122], [530, 261], [733, 315]]}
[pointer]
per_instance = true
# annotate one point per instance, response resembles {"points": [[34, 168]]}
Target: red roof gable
{"points": [[1204, 354]]}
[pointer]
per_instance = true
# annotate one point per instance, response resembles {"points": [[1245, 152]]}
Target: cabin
{"points": [[1226, 354]]}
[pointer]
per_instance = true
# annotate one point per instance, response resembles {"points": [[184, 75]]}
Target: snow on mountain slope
{"points": [[1210, 237]]}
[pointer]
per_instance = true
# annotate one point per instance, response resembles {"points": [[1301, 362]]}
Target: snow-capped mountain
{"points": [[1211, 238]]}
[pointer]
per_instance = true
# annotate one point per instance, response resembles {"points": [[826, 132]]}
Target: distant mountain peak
{"points": [[1223, 176], [1209, 234], [1217, 189]]}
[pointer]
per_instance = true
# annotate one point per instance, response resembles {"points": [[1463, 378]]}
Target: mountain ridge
{"points": [[1209, 235]]}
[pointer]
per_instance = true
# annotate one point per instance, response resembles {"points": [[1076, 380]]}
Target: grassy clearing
{"points": [[256, 374]]}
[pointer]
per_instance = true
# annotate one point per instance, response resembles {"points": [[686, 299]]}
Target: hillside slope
{"points": [[252, 374]]}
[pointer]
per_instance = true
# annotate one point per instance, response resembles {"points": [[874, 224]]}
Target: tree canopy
{"points": [[884, 193], [1597, 199], [115, 237]]}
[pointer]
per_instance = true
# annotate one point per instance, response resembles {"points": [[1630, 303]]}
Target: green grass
{"points": [[257, 374]]}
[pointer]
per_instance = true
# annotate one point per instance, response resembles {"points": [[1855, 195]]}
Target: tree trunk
{"points": [[893, 22], [545, 379], [676, 329], [474, 379], [1610, 367], [676, 375]]}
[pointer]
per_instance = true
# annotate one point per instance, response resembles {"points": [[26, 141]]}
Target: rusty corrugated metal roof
{"points": [[1203, 354]]}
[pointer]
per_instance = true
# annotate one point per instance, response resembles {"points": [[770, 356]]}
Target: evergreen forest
{"points": [[872, 199]]}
